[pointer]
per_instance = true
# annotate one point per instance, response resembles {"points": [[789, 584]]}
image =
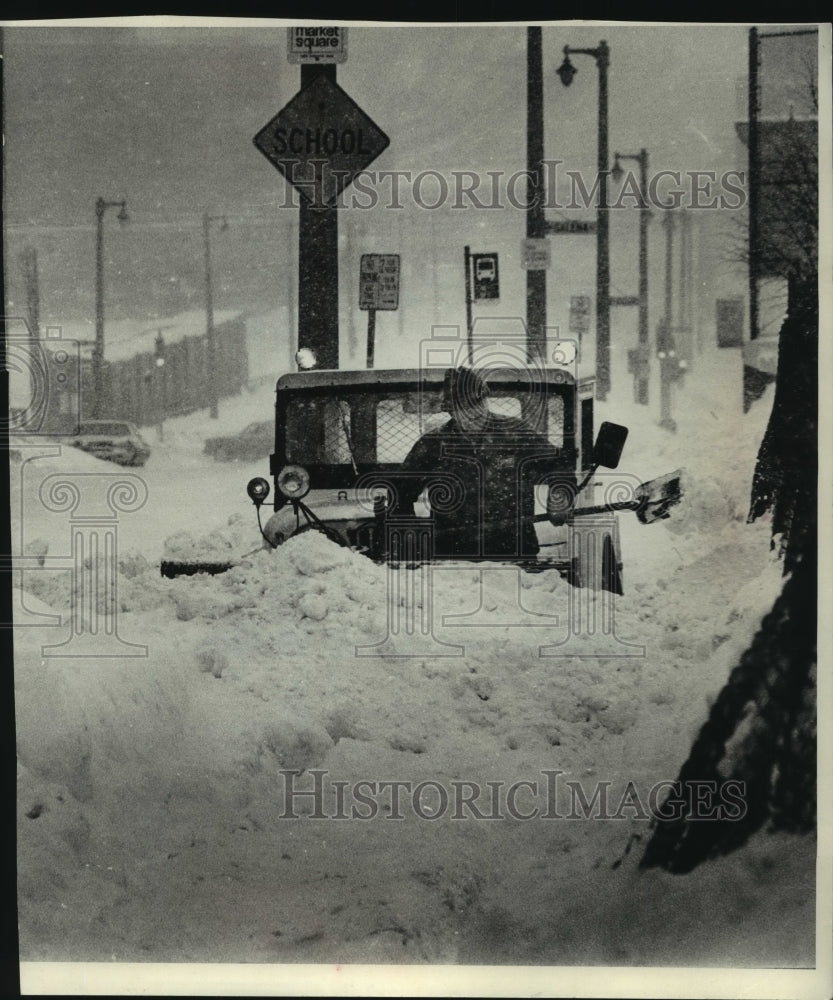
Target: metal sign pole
{"points": [[371, 336], [318, 265], [467, 262]]}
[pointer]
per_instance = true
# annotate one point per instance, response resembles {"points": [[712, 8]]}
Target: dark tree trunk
{"points": [[761, 731]]}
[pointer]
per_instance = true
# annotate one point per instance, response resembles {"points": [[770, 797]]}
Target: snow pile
{"points": [[229, 542], [157, 821]]}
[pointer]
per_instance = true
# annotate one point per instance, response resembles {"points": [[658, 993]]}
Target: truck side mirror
{"points": [[609, 444]]}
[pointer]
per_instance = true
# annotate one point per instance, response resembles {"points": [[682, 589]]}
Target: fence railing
{"points": [[139, 390]]}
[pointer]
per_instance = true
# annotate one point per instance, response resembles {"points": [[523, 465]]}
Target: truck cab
{"points": [[341, 438]]}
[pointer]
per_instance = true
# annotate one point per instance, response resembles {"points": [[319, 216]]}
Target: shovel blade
{"points": [[656, 497]]}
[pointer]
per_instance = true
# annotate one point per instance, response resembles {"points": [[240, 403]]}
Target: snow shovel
{"points": [[653, 500]]}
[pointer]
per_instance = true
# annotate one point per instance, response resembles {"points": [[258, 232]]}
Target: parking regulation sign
{"points": [[321, 140], [579, 313], [379, 281]]}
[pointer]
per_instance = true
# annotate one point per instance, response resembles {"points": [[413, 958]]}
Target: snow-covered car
{"points": [[253, 442], [341, 438], [114, 440]]}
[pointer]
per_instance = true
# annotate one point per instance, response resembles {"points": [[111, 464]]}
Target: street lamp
{"points": [[640, 365], [209, 311], [669, 367], [101, 207], [566, 71]]}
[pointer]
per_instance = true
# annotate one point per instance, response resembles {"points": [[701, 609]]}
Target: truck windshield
{"points": [[340, 428]]}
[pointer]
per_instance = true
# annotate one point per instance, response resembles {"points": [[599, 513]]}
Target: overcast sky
{"points": [[166, 116], [170, 113]]}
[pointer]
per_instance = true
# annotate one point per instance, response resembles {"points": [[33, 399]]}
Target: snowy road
{"points": [[154, 818]]}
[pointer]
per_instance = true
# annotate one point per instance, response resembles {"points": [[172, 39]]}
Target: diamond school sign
{"points": [[321, 140]]}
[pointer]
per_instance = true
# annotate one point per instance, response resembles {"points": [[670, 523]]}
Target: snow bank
{"points": [[156, 822]]}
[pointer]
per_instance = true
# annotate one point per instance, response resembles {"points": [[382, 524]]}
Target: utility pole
{"points": [[210, 339], [318, 263], [666, 351], [684, 283], [101, 207], [638, 363], [536, 280], [603, 239], [754, 184], [29, 265], [567, 71]]}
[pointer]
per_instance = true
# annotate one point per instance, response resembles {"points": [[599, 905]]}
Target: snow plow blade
{"points": [[171, 568]]}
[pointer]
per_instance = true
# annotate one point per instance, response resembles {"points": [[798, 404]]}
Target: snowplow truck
{"points": [[341, 438]]}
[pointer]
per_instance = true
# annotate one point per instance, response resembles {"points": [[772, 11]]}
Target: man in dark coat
{"points": [[480, 470]]}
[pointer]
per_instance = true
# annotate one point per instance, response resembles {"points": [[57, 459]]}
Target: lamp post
{"points": [[640, 366], [567, 71], [670, 367], [209, 312], [101, 207]]}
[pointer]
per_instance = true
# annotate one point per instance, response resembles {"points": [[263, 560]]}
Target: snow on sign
{"points": [[320, 141], [316, 45], [379, 281]]}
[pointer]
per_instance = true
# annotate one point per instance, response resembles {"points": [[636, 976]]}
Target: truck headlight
{"points": [[293, 481], [258, 490], [305, 359]]}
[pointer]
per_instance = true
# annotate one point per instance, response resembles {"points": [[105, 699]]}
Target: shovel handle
{"points": [[600, 509]]}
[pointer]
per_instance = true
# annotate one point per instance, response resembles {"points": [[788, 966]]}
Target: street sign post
{"points": [[378, 289], [318, 46], [321, 140]]}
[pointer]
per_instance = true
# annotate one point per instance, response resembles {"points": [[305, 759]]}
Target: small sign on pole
{"points": [[486, 280], [378, 289], [579, 313], [316, 45], [535, 254], [572, 226], [379, 281]]}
